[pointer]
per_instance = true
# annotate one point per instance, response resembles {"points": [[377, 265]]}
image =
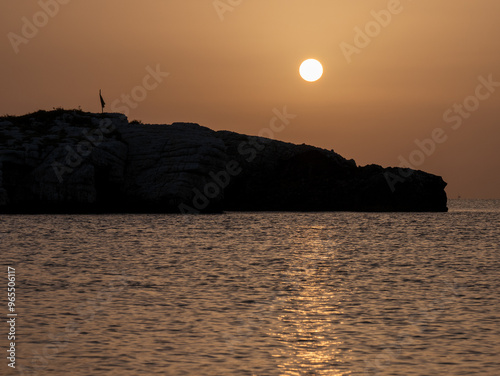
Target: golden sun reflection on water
{"points": [[309, 322], [309, 332]]}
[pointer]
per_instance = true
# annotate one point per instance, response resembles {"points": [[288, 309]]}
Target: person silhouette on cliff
{"points": [[103, 104]]}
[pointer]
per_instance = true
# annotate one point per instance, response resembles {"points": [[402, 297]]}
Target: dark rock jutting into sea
{"points": [[69, 161]]}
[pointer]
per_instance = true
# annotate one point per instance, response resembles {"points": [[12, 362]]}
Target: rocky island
{"points": [[70, 161]]}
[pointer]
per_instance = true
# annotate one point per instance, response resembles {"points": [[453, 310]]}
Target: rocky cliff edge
{"points": [[65, 161]]}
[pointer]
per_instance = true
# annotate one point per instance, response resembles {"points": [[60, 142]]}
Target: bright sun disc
{"points": [[311, 70]]}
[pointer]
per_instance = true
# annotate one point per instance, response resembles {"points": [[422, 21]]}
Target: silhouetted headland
{"points": [[69, 161]]}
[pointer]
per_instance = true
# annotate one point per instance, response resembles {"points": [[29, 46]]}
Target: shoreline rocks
{"points": [[66, 161]]}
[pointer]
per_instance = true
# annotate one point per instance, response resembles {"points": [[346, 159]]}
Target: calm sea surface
{"points": [[256, 293]]}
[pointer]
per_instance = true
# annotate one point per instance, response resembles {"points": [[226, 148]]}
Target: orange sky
{"points": [[230, 65]]}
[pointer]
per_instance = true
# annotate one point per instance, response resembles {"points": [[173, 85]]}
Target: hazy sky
{"points": [[395, 72]]}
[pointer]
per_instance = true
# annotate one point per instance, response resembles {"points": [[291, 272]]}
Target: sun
{"points": [[311, 70]]}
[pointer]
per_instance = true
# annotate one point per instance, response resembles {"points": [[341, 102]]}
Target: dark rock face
{"points": [[71, 161], [282, 176]]}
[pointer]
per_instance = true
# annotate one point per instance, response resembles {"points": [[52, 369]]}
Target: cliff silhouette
{"points": [[70, 161]]}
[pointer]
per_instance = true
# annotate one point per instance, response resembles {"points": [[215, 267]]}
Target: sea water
{"points": [[256, 293]]}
